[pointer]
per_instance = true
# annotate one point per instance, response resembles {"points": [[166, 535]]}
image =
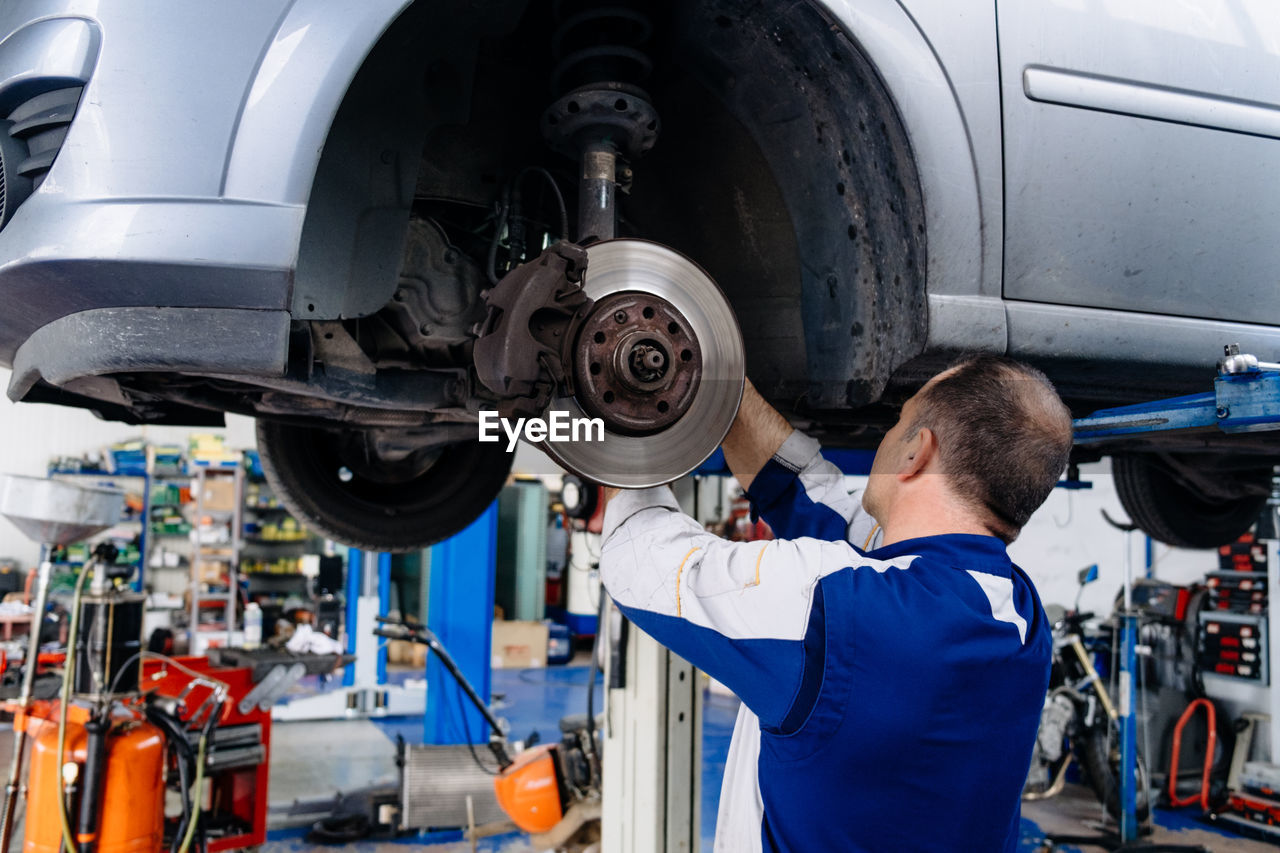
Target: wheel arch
{"points": [[962, 207], [335, 120], [808, 83], [302, 78], [353, 234]]}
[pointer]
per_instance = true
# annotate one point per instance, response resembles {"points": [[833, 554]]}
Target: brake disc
{"points": [[659, 359]]}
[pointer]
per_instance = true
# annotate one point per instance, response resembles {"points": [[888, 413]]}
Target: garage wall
{"points": [[31, 434], [1069, 533]]}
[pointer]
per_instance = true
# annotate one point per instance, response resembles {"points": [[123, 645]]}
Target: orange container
{"points": [[132, 810], [529, 791]]}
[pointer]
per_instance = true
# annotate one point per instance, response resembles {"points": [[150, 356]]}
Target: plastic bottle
{"points": [[252, 625]]}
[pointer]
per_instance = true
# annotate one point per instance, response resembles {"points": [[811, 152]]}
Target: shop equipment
{"points": [[537, 789], [219, 496], [51, 513], [1211, 725], [1245, 399], [128, 723]]}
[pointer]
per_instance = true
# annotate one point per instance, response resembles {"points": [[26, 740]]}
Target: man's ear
{"points": [[922, 450]]}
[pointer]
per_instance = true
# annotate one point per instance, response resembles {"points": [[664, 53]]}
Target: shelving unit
{"points": [[210, 479], [276, 548], [166, 476]]}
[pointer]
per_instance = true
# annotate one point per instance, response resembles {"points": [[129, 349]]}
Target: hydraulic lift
{"points": [[1245, 399]]}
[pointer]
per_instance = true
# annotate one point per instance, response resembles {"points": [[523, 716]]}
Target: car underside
{"points": [[756, 139]]}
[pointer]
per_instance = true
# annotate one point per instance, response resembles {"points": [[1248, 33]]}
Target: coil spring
{"points": [[599, 43]]}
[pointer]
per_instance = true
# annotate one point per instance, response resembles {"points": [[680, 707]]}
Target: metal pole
{"points": [[233, 565], [460, 613], [24, 700], [1128, 717], [383, 577], [197, 563]]}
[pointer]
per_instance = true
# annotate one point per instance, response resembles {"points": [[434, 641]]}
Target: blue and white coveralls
{"points": [[890, 697]]}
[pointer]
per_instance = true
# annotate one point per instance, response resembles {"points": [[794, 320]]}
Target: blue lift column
{"points": [[460, 612]]}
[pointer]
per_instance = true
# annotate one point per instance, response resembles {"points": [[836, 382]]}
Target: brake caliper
{"points": [[525, 348]]}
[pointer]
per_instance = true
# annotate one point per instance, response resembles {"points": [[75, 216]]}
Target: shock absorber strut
{"points": [[601, 116]]}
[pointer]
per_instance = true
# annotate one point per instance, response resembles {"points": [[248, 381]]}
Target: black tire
{"points": [[1100, 756], [319, 475], [1167, 510]]}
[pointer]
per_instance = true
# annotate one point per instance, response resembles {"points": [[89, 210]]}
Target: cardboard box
{"points": [[219, 495], [212, 572], [518, 645], [399, 651]]}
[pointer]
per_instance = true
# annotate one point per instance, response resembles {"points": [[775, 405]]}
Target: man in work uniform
{"points": [[890, 696]]}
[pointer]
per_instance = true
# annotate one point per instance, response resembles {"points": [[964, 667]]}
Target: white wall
{"points": [[31, 434], [1065, 535], [1069, 532]]}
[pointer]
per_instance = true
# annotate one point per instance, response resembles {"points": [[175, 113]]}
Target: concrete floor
{"points": [[1076, 812], [318, 762], [326, 758]]}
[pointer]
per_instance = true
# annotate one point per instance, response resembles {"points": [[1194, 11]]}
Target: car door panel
{"points": [[1142, 163]]}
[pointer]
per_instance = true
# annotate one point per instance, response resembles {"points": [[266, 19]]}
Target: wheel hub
{"points": [[659, 359], [637, 365]]}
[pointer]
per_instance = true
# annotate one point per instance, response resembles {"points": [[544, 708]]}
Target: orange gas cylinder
{"points": [[529, 790], [132, 810]]}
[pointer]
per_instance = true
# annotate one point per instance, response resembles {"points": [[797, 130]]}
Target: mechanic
{"points": [[890, 697]]}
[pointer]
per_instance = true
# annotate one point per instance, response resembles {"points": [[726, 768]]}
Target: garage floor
{"points": [[317, 760], [1076, 812]]}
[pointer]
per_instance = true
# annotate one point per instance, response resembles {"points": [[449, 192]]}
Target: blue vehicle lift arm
{"points": [[1245, 398]]}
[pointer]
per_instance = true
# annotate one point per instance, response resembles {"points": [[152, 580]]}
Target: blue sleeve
{"points": [[799, 493], [744, 612]]}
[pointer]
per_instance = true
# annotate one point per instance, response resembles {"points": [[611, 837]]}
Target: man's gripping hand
{"points": [[756, 434]]}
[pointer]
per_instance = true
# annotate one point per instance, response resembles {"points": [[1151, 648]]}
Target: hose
{"points": [[555, 189], [181, 749], [67, 676], [196, 789], [602, 614], [195, 793], [491, 267]]}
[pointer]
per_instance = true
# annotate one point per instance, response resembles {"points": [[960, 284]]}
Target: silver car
{"points": [[295, 209]]}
